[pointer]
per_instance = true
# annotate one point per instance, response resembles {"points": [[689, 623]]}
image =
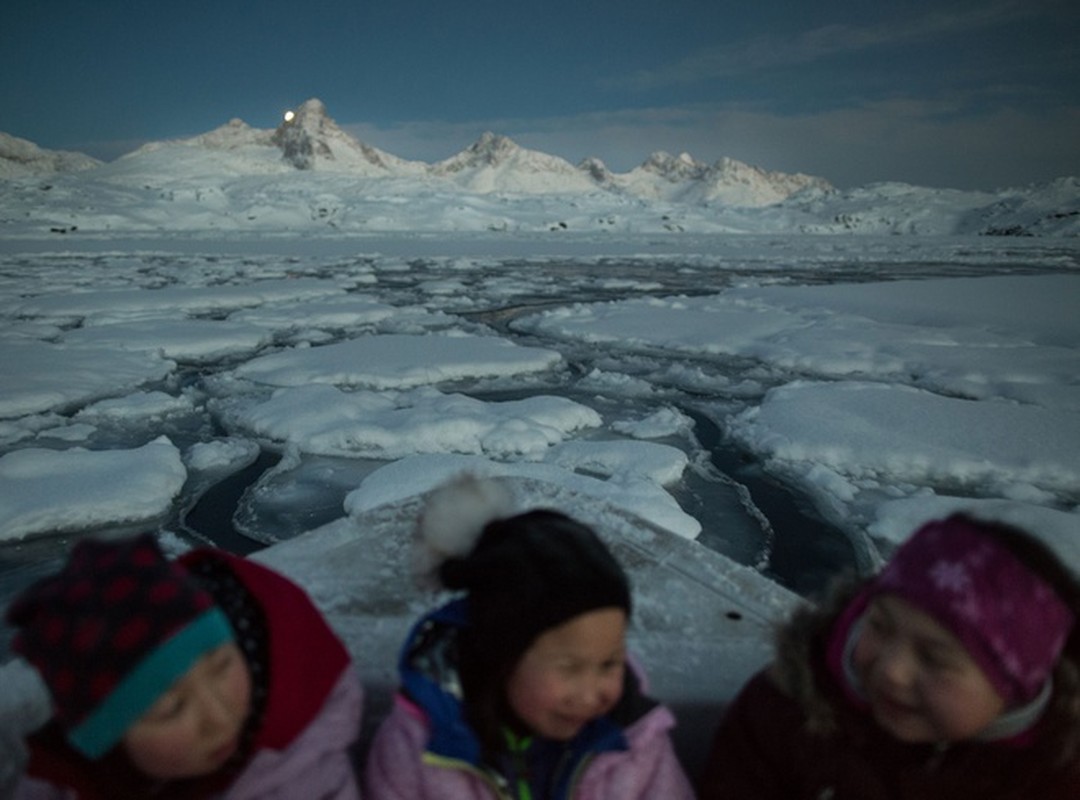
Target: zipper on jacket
{"points": [[518, 747], [579, 771], [497, 783]]}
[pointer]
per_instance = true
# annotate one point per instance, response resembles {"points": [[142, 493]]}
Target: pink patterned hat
{"points": [[1010, 620]]}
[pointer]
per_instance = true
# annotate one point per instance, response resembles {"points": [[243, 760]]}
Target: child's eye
{"points": [[222, 660], [612, 665], [936, 660], [167, 708], [878, 624]]}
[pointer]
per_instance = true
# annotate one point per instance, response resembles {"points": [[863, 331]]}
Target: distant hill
{"points": [[20, 158], [308, 175]]}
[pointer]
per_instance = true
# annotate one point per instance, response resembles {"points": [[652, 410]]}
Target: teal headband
{"points": [[151, 678]]}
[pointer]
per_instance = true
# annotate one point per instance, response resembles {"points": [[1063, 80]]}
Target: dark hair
{"points": [[527, 574]]}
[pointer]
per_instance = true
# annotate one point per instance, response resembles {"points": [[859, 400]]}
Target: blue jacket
{"points": [[427, 749]]}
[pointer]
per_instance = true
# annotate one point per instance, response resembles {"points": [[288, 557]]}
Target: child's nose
{"points": [[595, 692], [215, 708], [897, 664]]}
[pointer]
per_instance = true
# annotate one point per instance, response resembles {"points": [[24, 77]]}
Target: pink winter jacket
{"points": [[397, 768], [315, 766]]}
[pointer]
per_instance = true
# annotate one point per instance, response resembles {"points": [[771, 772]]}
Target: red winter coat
{"points": [[791, 735], [311, 717]]}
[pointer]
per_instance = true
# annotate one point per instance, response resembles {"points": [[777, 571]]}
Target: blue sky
{"points": [[956, 94]]}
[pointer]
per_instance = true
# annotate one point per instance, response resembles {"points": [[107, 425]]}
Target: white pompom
{"points": [[452, 520]]}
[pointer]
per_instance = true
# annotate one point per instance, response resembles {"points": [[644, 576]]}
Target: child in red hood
{"points": [[206, 677]]}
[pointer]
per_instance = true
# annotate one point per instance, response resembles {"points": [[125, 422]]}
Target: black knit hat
{"points": [[111, 632], [532, 572], [524, 573]]}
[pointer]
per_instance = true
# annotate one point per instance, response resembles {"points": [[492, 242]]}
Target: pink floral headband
{"points": [[1010, 620]]}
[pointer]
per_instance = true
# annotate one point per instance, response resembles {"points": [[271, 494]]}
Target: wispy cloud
{"points": [[771, 52]]}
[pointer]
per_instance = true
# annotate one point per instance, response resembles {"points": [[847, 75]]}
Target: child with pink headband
{"points": [[953, 673]]}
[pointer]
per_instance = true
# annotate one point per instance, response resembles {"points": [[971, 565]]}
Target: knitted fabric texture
{"points": [[111, 632], [252, 637], [1009, 620], [532, 572]]}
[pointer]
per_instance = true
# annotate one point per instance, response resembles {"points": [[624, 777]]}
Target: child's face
{"points": [[570, 674], [195, 726], [920, 681]]}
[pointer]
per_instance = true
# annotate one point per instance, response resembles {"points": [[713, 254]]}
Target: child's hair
{"points": [[523, 574], [110, 633]]}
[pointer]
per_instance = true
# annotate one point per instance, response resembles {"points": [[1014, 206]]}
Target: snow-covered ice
{"points": [[88, 488], [398, 361], [857, 393], [867, 377]]}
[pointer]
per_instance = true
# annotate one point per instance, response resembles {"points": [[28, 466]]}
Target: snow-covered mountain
{"points": [[730, 182], [497, 164], [308, 175], [20, 158], [1049, 209], [310, 139]]}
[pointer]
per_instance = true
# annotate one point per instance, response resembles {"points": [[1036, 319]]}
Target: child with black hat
{"points": [[520, 688], [205, 677]]}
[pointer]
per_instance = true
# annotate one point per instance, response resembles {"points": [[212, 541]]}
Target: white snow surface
{"points": [[861, 372], [943, 386], [398, 361], [88, 488], [310, 177]]}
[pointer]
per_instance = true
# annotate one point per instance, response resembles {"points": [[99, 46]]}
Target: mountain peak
{"points": [[674, 168], [596, 169], [310, 139], [22, 158], [312, 107], [495, 163], [233, 134], [492, 148], [302, 135]]}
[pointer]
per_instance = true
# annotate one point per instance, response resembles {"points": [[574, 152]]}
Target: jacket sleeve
{"points": [[318, 764], [396, 768], [753, 745], [393, 761], [33, 789], [649, 769]]}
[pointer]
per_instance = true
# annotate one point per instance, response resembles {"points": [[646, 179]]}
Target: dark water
{"points": [[744, 513], [803, 553], [212, 518], [747, 515]]}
